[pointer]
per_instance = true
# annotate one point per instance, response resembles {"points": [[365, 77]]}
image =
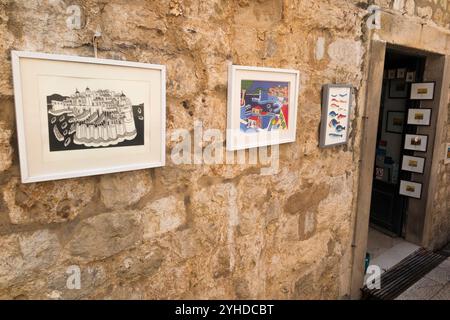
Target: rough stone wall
{"points": [[436, 11], [190, 231], [440, 219]]}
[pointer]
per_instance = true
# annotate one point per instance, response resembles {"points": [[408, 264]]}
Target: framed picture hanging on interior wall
{"points": [[411, 189], [335, 122], [416, 142], [401, 73], [262, 106], [419, 117], [413, 164], [410, 76], [395, 122], [392, 73], [422, 91], [83, 116], [398, 89]]}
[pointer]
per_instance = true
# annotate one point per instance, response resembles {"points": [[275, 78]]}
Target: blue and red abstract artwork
{"points": [[264, 106]]}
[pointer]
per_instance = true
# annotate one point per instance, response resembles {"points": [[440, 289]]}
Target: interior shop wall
{"points": [[393, 140]]}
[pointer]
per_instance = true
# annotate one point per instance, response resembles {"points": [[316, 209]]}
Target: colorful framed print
{"points": [[401, 73], [83, 116], [447, 154], [392, 74], [413, 164], [422, 91], [262, 106], [416, 142], [411, 189], [398, 89], [336, 105], [395, 122], [419, 117], [410, 76]]}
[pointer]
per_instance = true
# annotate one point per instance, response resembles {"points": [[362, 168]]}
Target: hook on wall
{"points": [[95, 38]]}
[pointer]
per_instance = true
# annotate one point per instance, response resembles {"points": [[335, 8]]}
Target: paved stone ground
{"points": [[434, 286]]}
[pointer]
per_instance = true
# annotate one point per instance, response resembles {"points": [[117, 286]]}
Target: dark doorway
{"points": [[388, 207]]}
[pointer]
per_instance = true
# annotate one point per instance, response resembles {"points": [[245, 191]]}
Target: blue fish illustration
{"points": [[340, 128], [333, 114], [333, 123]]}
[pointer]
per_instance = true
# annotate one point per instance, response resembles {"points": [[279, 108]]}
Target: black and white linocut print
{"points": [[94, 118]]}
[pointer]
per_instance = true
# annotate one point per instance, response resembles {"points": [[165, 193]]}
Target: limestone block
{"points": [[308, 199], [346, 52], [214, 214], [176, 8], [139, 16], [24, 255], [6, 150], [124, 189], [425, 12], [47, 202], [182, 77], [91, 279], [163, 215], [104, 235], [410, 7], [398, 5], [146, 264]]}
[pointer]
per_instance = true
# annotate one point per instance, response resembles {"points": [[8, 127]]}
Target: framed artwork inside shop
{"points": [[419, 117], [395, 122], [398, 89], [413, 164], [401, 73], [392, 74], [411, 189], [416, 142], [422, 91], [410, 76]]}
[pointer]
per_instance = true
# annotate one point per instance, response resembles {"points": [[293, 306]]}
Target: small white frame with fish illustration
{"points": [[33, 71], [334, 133]]}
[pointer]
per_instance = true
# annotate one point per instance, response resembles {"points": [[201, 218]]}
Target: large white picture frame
{"points": [[262, 106], [79, 116]]}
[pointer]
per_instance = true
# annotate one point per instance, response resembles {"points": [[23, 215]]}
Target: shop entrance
{"points": [[403, 43], [386, 245], [388, 207]]}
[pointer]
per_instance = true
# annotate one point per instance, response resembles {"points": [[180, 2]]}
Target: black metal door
{"points": [[387, 207]]}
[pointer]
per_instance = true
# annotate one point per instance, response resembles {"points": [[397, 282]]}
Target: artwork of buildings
{"points": [[92, 118]]}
